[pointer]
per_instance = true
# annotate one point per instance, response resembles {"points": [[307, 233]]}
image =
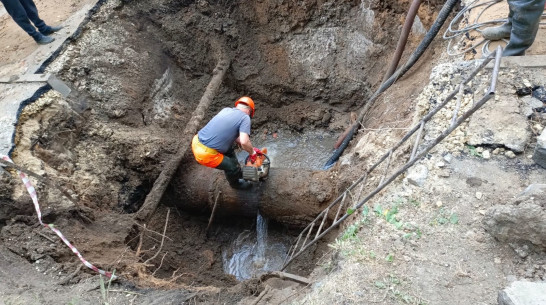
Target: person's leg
{"points": [[17, 11], [32, 13], [525, 22], [232, 170]]}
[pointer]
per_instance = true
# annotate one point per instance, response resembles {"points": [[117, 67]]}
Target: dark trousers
{"points": [[230, 166], [23, 12], [525, 18]]}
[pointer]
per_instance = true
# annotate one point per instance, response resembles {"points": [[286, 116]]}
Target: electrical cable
{"points": [[421, 48], [450, 33]]}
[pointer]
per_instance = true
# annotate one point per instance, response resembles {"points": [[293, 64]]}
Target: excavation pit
{"points": [[138, 71]]}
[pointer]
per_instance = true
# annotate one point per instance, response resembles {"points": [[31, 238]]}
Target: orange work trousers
{"points": [[205, 155]]}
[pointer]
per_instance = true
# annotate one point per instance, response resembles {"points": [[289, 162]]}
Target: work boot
{"points": [[240, 184], [52, 29], [42, 39], [498, 32], [525, 16]]}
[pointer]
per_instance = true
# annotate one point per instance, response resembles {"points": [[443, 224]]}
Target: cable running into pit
{"points": [[451, 33]]}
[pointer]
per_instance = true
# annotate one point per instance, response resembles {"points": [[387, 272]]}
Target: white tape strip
{"points": [[32, 191]]}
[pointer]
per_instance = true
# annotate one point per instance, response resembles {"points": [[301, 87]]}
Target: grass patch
{"points": [[443, 217]]}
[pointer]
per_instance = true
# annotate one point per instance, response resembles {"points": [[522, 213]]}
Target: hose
{"points": [[410, 17], [438, 23], [450, 33]]}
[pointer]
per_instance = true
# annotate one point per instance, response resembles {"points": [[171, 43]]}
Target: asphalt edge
{"points": [[70, 38], [42, 90]]}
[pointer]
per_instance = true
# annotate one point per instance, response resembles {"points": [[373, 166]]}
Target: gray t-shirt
{"points": [[223, 129]]}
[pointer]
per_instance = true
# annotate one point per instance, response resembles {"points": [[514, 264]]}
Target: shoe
{"points": [[52, 29], [241, 185], [498, 32], [44, 39]]}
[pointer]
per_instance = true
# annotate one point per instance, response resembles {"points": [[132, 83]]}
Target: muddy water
{"points": [[258, 251], [255, 252], [309, 150]]}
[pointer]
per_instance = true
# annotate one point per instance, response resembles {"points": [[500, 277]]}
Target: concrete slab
{"points": [[19, 83], [25, 78], [528, 61]]}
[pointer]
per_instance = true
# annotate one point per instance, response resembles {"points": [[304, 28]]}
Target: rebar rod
{"points": [[466, 115]]}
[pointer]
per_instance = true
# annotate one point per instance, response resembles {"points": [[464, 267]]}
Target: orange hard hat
{"points": [[247, 101]]}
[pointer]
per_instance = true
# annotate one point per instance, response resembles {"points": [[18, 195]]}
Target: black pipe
{"points": [[440, 20]]}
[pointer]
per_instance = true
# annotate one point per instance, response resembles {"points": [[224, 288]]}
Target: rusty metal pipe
{"points": [[410, 18], [293, 197]]}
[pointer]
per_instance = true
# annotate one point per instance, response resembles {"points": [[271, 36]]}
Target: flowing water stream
{"points": [[259, 251], [252, 254]]}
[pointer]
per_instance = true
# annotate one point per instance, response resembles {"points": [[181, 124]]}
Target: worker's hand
{"points": [[253, 157], [258, 152]]}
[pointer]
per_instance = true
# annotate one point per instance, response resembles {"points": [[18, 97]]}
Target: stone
{"points": [[417, 175], [479, 195], [523, 293], [528, 104], [539, 156], [448, 158], [521, 221], [510, 154], [500, 123], [486, 154]]}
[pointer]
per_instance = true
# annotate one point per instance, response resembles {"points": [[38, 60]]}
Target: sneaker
{"points": [[498, 32], [52, 29], [44, 39]]}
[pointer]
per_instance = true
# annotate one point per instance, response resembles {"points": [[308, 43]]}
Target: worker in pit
{"points": [[213, 145], [521, 27], [25, 11]]}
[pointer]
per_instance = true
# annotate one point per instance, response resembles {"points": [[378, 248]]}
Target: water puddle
{"points": [[254, 253], [309, 150]]}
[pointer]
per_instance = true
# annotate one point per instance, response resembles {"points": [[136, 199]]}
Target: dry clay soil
{"points": [[140, 68]]}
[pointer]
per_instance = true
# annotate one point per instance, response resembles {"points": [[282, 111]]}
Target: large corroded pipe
{"points": [[290, 196]]}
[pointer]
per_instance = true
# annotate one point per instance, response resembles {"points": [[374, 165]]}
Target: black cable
{"points": [[440, 20]]}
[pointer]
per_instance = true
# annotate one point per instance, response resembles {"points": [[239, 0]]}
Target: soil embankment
{"points": [[138, 70]]}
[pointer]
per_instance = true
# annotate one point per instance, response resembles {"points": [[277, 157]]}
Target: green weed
{"points": [[104, 290], [444, 217], [473, 152]]}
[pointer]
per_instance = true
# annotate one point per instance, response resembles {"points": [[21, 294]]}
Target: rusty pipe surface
{"points": [[289, 196], [410, 18]]}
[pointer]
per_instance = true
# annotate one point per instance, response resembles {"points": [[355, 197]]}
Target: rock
{"points": [[417, 175], [523, 293], [479, 195], [521, 251], [448, 158], [510, 154], [486, 154], [522, 221], [474, 182], [539, 156], [444, 173], [500, 123], [528, 104]]}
